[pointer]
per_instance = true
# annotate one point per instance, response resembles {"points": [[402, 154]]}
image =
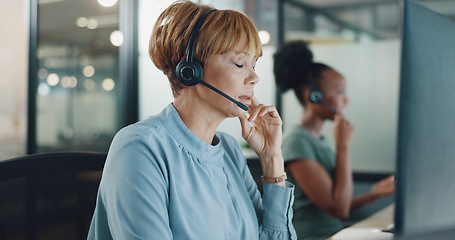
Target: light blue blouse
{"points": [[161, 181]]}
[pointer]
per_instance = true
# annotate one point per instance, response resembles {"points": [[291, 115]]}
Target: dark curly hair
{"points": [[293, 65]]}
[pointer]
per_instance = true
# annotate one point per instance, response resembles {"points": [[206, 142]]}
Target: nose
{"points": [[252, 78]]}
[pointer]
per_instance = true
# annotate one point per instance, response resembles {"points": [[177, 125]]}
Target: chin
{"points": [[236, 111], [229, 111]]}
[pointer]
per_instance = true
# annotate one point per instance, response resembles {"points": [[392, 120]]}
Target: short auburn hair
{"points": [[220, 32]]}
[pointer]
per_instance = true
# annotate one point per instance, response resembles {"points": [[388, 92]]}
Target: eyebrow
{"points": [[241, 54]]}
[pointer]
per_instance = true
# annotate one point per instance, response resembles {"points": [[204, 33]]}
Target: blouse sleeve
{"points": [[273, 209]]}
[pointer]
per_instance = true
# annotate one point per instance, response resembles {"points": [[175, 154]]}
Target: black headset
{"points": [[189, 71], [316, 95]]}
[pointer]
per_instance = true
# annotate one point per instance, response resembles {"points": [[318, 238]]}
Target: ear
{"points": [[306, 95]]}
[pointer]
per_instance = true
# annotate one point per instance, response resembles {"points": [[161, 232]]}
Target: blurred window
{"points": [[77, 88]]}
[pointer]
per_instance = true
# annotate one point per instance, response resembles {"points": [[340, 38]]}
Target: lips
{"points": [[246, 99]]}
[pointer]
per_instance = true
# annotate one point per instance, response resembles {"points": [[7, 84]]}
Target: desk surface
{"points": [[382, 220]]}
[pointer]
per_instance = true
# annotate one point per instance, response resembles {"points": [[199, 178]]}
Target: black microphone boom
{"points": [[239, 104], [328, 106]]}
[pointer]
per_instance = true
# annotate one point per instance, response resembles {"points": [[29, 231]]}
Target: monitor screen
{"points": [[425, 192]]}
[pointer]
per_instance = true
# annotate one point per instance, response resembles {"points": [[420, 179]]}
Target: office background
{"points": [[88, 77]]}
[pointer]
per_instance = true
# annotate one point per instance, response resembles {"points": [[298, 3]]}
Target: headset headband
{"points": [[193, 36], [311, 80]]}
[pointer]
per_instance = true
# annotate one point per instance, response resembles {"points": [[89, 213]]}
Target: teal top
{"points": [[161, 181], [310, 221]]}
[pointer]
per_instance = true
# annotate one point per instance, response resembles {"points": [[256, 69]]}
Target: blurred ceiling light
{"points": [[81, 22], [43, 89], [89, 84], [107, 3], [264, 36], [42, 73], [73, 82], [69, 82], [116, 38], [52, 79], [65, 81], [108, 84], [88, 71], [92, 24]]}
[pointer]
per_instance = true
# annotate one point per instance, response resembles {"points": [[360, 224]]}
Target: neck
{"points": [[312, 123], [200, 119]]}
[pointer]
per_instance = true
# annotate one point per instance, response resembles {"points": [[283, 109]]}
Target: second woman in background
{"points": [[324, 194]]}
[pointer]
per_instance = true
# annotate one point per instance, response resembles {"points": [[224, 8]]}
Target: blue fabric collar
{"points": [[188, 140]]}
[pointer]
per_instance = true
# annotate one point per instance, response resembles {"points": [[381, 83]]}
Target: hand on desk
{"points": [[384, 187]]}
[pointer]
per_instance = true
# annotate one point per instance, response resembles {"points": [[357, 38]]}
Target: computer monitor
{"points": [[425, 191]]}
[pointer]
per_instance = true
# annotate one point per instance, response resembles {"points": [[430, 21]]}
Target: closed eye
{"points": [[239, 65]]}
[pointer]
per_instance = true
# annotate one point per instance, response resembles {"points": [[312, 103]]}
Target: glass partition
{"points": [[78, 105]]}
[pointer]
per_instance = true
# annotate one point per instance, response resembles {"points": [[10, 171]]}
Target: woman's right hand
{"points": [[384, 187], [343, 130]]}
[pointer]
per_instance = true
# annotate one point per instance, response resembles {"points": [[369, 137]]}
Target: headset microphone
{"points": [[189, 72], [239, 104], [329, 106]]}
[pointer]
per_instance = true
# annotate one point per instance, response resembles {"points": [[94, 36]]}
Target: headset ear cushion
{"points": [[316, 96], [189, 73]]}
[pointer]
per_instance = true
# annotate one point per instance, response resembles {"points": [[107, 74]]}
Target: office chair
{"points": [[49, 189]]}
